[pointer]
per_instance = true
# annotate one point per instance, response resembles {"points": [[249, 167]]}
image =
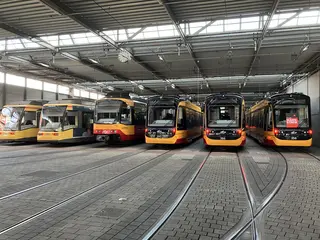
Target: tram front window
{"points": [[223, 116], [291, 116], [111, 112], [53, 118], [11, 116], [161, 117]]}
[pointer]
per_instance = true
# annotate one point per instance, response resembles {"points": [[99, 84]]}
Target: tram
{"points": [[19, 121], [224, 120], [172, 120], [281, 120], [67, 121], [119, 120]]}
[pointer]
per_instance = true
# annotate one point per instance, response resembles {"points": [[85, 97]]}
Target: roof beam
{"points": [[63, 9], [51, 68], [57, 50], [182, 35], [263, 34]]}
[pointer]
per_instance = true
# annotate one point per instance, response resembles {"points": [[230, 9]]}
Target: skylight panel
{"points": [[216, 27], [29, 44], [308, 18], [2, 45], [274, 21], [232, 24], [53, 40], [14, 44], [250, 23]]}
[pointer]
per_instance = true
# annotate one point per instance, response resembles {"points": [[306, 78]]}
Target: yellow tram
{"points": [[67, 121], [119, 120], [172, 120], [19, 121], [224, 120], [281, 120]]}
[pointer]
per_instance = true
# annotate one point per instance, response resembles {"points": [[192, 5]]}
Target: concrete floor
{"points": [[120, 192]]}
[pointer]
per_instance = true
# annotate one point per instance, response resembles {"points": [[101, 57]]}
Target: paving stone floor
{"points": [[135, 185]]}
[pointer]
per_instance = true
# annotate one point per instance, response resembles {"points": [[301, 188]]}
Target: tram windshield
{"points": [[161, 116], [11, 118], [291, 116], [223, 116], [58, 118], [112, 112]]}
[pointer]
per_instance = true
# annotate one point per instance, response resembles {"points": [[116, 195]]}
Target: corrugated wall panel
{"points": [[14, 93], [49, 96], [33, 94], [302, 87], [1, 95], [63, 96]]}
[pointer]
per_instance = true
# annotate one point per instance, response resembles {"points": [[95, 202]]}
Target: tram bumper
{"points": [[288, 143], [241, 141]]}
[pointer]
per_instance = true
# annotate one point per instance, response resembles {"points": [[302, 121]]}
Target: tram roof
{"points": [[71, 102], [28, 102]]}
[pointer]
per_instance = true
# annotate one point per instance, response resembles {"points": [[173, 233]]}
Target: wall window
{"points": [[34, 84], [15, 80], [1, 77], [100, 96], [50, 87], [76, 92], [84, 94], [93, 96], [63, 90]]}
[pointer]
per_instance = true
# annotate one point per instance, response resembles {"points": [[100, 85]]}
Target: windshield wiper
{"points": [[303, 120], [232, 121]]}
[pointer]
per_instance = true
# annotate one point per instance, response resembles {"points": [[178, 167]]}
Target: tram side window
{"points": [[181, 122], [71, 120], [269, 119], [87, 120], [260, 118], [125, 115], [29, 120], [38, 118], [139, 114]]}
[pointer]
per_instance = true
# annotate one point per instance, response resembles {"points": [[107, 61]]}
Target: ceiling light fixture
{"points": [[44, 65], [207, 85], [160, 57], [70, 56], [110, 88], [141, 87], [94, 61], [173, 86], [305, 47]]}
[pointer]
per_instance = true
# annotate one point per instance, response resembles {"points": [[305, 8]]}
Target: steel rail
{"points": [[175, 204], [76, 196]]}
